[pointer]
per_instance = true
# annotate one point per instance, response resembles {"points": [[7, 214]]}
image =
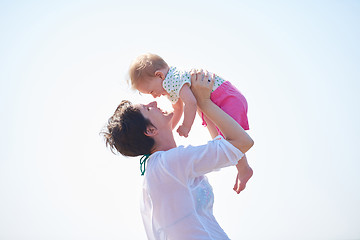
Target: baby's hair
{"points": [[145, 65]]}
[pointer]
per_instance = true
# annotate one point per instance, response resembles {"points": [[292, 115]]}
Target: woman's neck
{"points": [[164, 141]]}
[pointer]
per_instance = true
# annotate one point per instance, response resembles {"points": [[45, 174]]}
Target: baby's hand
{"points": [[183, 131]]}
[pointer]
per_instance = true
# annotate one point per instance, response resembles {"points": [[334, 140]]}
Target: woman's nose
{"points": [[153, 104]]}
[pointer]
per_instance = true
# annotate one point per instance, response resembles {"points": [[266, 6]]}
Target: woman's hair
{"points": [[125, 131], [145, 65]]}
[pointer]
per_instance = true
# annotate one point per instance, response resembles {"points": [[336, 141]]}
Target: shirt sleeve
{"points": [[193, 161], [184, 79], [173, 85]]}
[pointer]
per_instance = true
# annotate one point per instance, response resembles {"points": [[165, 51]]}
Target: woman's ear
{"points": [[151, 131], [160, 74]]}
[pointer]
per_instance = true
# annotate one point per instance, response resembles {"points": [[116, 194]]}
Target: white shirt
{"points": [[177, 200], [175, 80]]}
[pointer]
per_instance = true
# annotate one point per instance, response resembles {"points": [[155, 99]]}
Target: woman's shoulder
{"points": [[173, 155], [170, 152], [191, 151]]}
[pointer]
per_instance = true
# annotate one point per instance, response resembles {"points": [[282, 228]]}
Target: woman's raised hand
{"points": [[201, 85]]}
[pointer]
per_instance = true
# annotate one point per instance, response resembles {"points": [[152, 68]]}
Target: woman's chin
{"points": [[170, 114]]}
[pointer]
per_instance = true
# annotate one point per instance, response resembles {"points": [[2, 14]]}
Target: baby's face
{"points": [[151, 86]]}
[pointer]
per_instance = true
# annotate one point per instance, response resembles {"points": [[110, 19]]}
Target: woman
{"points": [[177, 198]]}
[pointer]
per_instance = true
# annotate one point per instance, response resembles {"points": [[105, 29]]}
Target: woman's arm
{"points": [[178, 110], [231, 130]]}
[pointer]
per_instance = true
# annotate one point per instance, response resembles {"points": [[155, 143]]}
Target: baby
{"points": [[150, 74]]}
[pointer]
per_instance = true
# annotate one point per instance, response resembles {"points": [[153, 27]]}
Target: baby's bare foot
{"points": [[242, 178]]}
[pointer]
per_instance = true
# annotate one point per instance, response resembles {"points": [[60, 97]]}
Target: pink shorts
{"points": [[231, 101]]}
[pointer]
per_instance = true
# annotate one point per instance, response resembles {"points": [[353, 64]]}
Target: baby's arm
{"points": [[190, 108], [178, 110]]}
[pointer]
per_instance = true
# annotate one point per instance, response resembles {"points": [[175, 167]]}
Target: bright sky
{"points": [[63, 67]]}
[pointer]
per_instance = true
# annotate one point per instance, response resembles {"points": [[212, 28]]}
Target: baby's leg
{"points": [[210, 125], [245, 172]]}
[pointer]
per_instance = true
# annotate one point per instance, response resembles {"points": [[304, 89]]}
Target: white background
{"points": [[63, 68]]}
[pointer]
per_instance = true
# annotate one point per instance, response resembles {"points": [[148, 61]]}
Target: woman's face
{"points": [[157, 117]]}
